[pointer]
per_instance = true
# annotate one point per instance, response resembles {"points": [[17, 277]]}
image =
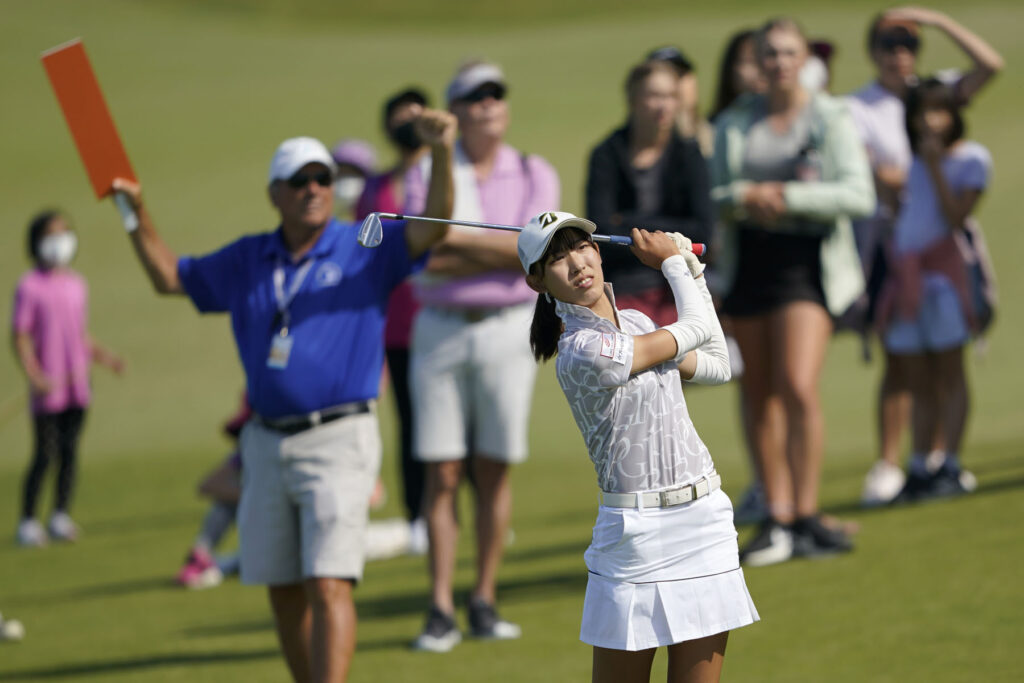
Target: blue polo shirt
{"points": [[337, 315]]}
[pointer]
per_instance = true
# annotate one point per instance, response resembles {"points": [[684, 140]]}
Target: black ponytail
{"points": [[545, 329]]}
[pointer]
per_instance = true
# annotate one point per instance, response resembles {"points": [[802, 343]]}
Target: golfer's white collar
{"points": [[574, 315]]}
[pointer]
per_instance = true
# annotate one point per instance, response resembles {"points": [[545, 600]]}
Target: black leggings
{"points": [[412, 469], [56, 437]]}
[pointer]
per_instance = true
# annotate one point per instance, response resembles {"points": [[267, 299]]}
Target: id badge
{"points": [[280, 350]]}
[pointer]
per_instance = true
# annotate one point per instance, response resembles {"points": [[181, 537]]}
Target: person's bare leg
{"points": [[953, 409], [752, 335], [442, 487], [292, 618], [893, 408], [493, 510], [622, 666], [803, 330], [923, 388], [333, 637], [697, 661]]}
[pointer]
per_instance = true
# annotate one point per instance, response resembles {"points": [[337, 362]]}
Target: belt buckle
{"points": [[701, 488]]}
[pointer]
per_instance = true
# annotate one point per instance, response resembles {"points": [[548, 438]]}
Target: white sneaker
{"points": [[883, 483], [419, 538], [31, 534], [62, 528], [440, 634], [772, 544]]}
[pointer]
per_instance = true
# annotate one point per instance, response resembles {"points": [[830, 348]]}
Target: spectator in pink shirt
{"points": [[51, 340], [472, 370]]}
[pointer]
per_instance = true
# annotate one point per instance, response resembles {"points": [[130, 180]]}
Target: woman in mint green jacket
{"points": [[788, 173]]}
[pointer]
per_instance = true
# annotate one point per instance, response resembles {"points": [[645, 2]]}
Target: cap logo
{"points": [[547, 219]]}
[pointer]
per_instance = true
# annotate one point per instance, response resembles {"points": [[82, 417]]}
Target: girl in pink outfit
{"points": [[53, 346]]}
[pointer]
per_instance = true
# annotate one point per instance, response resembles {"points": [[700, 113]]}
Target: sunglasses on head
{"points": [[892, 41], [483, 92], [300, 180]]}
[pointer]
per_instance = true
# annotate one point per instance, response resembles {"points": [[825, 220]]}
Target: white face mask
{"points": [[814, 75], [58, 249], [347, 190]]}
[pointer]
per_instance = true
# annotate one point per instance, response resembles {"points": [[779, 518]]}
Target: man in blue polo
{"points": [[307, 306]]}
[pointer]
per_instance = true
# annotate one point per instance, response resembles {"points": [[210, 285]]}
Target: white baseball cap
{"points": [[294, 153], [536, 235], [469, 79]]}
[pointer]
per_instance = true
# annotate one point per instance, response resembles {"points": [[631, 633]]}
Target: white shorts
{"points": [[940, 324], [472, 384], [305, 500], [664, 576]]}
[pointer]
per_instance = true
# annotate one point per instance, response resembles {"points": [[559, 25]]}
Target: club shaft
{"points": [[698, 249]]}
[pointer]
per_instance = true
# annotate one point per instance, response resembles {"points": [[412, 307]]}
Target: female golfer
{"points": [[663, 563]]}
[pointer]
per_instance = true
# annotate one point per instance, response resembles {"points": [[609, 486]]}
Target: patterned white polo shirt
{"points": [[637, 429]]}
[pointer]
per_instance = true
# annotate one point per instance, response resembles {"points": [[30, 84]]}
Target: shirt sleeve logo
{"points": [[328, 274], [613, 346]]}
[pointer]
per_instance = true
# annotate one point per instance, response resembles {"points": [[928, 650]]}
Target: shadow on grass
{"points": [[138, 664], [147, 523], [999, 486], [239, 628], [103, 590]]}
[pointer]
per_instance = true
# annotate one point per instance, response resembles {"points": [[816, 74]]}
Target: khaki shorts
{"points": [[305, 500], [472, 384]]}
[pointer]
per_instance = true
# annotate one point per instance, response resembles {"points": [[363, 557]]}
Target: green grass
{"points": [[202, 92]]}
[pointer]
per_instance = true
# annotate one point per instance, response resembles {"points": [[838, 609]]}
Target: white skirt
{"points": [[664, 576]]}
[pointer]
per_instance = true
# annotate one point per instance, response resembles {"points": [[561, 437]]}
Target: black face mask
{"points": [[405, 136]]}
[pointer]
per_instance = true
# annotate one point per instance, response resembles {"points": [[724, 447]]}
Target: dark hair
{"points": [[726, 93], [37, 229], [411, 95], [547, 327], [639, 73], [915, 99]]}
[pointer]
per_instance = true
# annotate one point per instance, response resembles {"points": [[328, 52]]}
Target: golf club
{"points": [[371, 232]]}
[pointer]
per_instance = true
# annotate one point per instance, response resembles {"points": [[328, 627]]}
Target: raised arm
{"points": [[160, 263], [986, 61], [438, 129]]}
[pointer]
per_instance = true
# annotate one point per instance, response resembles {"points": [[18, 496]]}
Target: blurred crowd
{"points": [[823, 212]]}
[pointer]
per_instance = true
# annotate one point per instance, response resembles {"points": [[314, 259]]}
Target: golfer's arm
{"points": [[420, 236], [160, 263], [987, 62]]}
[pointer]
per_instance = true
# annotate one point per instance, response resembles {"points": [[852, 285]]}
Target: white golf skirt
{"points": [[661, 576]]}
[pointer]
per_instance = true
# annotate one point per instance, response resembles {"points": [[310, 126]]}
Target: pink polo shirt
{"points": [[517, 189], [52, 306]]}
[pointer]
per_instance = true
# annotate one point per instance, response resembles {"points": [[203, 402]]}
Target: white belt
{"points": [[664, 499]]}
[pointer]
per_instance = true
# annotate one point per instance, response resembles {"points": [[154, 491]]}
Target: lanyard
{"points": [[285, 298]]}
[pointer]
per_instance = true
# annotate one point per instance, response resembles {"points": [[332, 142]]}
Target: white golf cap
{"points": [[469, 79], [537, 234], [294, 153]]}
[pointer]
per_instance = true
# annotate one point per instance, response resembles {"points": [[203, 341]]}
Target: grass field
{"points": [[202, 92]]}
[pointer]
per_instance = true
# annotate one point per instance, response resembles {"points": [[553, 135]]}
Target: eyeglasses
{"points": [[300, 180], [891, 42], [483, 92]]}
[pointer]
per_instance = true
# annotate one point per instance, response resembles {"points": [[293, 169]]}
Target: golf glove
{"points": [[686, 249]]}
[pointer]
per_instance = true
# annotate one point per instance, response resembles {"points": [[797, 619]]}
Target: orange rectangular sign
{"points": [[87, 116]]}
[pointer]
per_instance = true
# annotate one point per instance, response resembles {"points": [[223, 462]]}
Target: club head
{"points": [[371, 232]]}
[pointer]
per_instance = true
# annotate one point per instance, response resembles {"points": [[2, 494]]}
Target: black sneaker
{"points": [[772, 544], [440, 634], [951, 481], [812, 538], [917, 487], [485, 623]]}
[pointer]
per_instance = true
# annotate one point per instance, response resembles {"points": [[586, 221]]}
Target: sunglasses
{"points": [[480, 94], [891, 42], [300, 180]]}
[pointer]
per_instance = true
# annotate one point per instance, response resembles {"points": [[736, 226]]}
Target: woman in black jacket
{"points": [[645, 175]]}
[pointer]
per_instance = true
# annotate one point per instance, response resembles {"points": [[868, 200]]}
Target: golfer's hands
{"points": [[129, 189], [437, 127], [652, 248], [685, 246], [765, 202]]}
